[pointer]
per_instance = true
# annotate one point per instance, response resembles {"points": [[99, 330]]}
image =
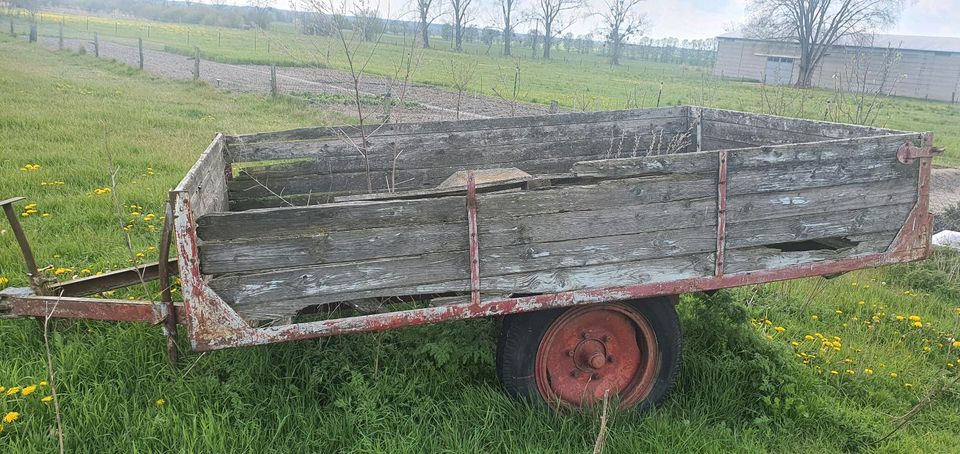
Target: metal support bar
{"points": [[721, 211], [474, 242], [33, 274], [908, 152], [85, 308], [111, 281], [166, 297]]}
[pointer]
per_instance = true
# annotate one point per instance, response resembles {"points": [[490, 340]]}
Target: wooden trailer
{"points": [[578, 229]]}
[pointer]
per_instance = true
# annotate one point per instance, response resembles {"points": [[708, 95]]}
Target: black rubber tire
{"points": [[520, 337]]}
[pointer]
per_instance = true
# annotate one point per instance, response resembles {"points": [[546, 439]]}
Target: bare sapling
{"points": [[508, 86], [462, 74], [862, 89]]}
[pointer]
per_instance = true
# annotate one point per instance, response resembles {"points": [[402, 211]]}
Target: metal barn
{"points": [[923, 67]]}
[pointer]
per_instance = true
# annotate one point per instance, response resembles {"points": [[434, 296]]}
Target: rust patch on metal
{"points": [[89, 308]]}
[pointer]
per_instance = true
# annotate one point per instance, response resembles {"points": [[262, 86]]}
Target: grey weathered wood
{"points": [[196, 63], [815, 226], [685, 163], [457, 144], [288, 296], [96, 44], [372, 214], [758, 258], [140, 51], [529, 234], [205, 183], [755, 206], [450, 127], [823, 129]]}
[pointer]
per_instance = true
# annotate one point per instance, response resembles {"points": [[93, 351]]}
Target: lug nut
{"points": [[605, 338], [595, 376], [610, 358], [584, 335], [570, 353]]}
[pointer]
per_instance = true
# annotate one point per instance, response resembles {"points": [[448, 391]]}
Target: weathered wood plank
{"points": [[774, 123], [832, 151], [750, 207], [741, 260], [685, 163], [448, 127], [455, 143], [527, 233], [815, 226], [289, 296], [814, 175], [206, 181], [373, 214]]}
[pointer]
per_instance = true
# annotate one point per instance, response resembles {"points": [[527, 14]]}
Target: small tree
{"points": [[427, 16], [621, 23], [507, 22]]}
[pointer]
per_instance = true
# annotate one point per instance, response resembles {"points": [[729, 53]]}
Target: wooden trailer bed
{"points": [[684, 198]]}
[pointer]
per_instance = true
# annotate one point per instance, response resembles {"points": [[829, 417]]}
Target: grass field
{"points": [[576, 81], [752, 380]]}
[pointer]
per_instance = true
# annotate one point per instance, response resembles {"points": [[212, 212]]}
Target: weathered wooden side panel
{"points": [[206, 182]]}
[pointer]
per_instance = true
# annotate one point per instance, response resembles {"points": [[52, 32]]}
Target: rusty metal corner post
{"points": [[38, 284], [474, 241], [166, 297]]}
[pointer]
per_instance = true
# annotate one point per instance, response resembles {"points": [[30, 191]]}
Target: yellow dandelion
{"points": [[868, 371], [955, 344], [893, 375], [833, 372], [2, 389], [46, 399], [861, 302], [808, 337], [43, 383], [10, 417], [839, 312], [13, 390], [917, 324], [914, 318], [908, 385], [160, 402], [814, 317], [927, 348], [779, 329], [4, 281], [900, 318], [850, 372], [28, 390]]}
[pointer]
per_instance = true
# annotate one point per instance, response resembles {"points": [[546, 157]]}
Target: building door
{"points": [[779, 71]]}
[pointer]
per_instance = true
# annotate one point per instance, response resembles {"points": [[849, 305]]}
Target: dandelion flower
{"points": [[4, 281], [839, 312], [160, 402], [893, 375], [861, 302], [868, 371], [908, 385], [814, 317], [917, 324], [10, 417], [2, 389], [46, 399], [28, 390], [13, 390], [900, 318], [914, 318], [955, 344], [833, 372], [850, 372], [43, 383], [808, 337], [779, 329]]}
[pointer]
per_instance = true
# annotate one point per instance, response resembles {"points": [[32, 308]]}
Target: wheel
{"points": [[573, 357]]}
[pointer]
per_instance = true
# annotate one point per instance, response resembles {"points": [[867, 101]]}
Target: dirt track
{"points": [[431, 103]]}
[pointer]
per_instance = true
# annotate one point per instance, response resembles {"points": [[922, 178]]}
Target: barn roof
{"points": [[879, 40]]}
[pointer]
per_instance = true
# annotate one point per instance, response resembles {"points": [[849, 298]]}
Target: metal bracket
{"points": [[908, 152]]}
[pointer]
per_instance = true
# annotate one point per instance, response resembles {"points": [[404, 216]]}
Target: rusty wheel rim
{"points": [[592, 351]]}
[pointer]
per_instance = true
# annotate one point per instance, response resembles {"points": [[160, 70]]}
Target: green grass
{"points": [[577, 81], [425, 389]]}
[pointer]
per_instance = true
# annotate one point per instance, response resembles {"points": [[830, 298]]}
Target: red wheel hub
{"points": [[592, 351]]}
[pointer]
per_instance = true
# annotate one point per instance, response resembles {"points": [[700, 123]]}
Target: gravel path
{"points": [[432, 103]]}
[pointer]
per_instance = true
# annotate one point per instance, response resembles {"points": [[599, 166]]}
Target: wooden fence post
{"points": [[273, 80], [196, 63], [33, 33], [140, 49], [12, 32], [96, 44], [554, 107], [60, 42]]}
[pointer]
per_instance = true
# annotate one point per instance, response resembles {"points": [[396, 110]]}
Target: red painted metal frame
{"points": [[212, 324], [474, 241], [88, 308]]}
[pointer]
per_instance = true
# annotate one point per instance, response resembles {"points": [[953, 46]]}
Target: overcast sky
{"points": [[694, 19]]}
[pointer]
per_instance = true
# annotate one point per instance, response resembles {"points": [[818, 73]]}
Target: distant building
{"points": [[913, 66]]}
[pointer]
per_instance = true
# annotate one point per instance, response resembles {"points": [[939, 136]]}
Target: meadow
{"points": [[801, 366], [583, 82]]}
